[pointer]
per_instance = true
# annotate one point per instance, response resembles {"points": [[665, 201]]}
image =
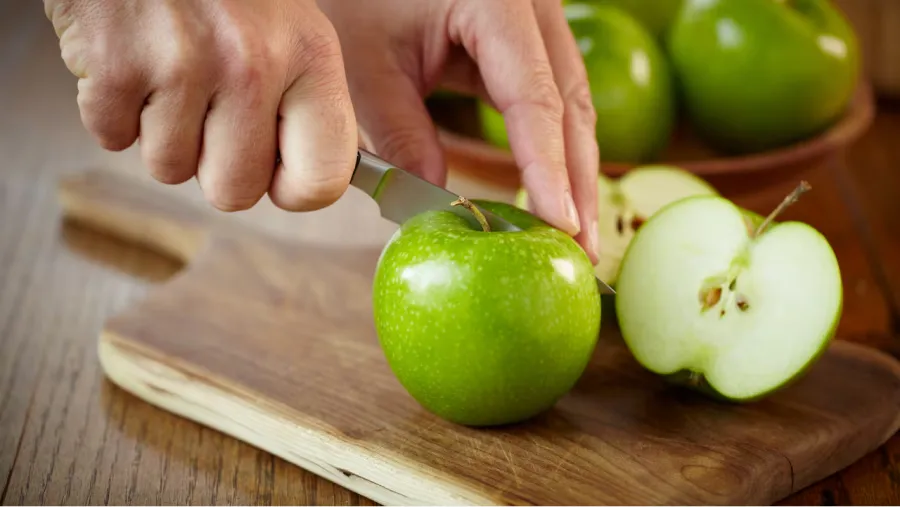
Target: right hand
{"points": [[216, 90]]}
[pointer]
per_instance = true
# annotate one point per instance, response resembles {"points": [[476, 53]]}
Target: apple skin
{"points": [[697, 381], [630, 82], [493, 128], [655, 15], [759, 75], [485, 328]]}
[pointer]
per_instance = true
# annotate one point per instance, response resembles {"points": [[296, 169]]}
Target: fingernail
{"points": [[571, 212]]}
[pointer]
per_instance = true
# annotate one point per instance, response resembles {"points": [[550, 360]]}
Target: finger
{"points": [[392, 113], [172, 133], [239, 142], [579, 118], [317, 132], [504, 38], [110, 107]]}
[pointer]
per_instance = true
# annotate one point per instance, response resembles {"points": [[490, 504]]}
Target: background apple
{"points": [[485, 328], [630, 81], [655, 15], [711, 297], [756, 75]]}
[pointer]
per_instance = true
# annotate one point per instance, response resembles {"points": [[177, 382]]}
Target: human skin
{"points": [[275, 96]]}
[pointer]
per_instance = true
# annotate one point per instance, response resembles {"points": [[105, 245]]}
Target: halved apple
{"points": [[718, 299], [627, 202]]}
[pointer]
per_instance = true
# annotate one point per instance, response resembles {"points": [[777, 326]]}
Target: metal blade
{"points": [[402, 195]]}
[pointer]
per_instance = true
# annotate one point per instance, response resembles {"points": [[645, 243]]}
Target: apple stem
{"points": [[465, 203], [791, 198]]}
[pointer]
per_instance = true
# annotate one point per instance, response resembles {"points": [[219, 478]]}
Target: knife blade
{"points": [[401, 195]]}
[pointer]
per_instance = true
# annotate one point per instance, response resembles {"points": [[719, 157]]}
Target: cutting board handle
{"points": [[133, 211]]}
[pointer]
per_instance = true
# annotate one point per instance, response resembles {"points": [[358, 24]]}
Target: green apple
{"points": [[483, 327], [655, 15], [493, 128], [712, 297], [624, 203], [630, 83], [762, 74]]}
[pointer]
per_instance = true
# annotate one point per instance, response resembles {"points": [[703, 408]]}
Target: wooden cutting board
{"points": [[273, 343]]}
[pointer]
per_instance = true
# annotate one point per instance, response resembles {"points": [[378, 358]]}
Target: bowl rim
{"points": [[464, 152]]}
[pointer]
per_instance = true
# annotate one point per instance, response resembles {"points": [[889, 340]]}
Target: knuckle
{"points": [[112, 141], [166, 166], [234, 186], [249, 64], [117, 77], [321, 44], [544, 93], [229, 199], [316, 189], [106, 124], [182, 67], [580, 103], [319, 53]]}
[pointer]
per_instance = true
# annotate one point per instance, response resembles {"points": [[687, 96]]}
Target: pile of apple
{"points": [[747, 76], [489, 327]]}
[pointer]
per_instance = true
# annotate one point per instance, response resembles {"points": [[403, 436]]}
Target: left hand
{"points": [[518, 55]]}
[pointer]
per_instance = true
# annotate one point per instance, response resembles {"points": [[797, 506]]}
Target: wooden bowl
{"points": [[757, 181]]}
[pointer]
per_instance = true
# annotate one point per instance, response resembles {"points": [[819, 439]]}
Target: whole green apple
{"points": [[761, 74], [485, 327], [718, 299], [630, 83]]}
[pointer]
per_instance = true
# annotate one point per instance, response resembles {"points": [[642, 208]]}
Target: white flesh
{"points": [[792, 284], [642, 192]]}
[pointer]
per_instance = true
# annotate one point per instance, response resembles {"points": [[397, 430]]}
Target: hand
{"points": [[215, 90], [519, 55]]}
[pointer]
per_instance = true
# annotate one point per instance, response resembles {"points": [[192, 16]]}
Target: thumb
{"points": [[396, 125]]}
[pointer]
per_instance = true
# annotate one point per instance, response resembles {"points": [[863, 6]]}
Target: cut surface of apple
{"points": [[627, 202], [703, 298]]}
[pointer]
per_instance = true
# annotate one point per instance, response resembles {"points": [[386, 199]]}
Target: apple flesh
{"points": [[707, 300], [485, 328], [624, 203]]}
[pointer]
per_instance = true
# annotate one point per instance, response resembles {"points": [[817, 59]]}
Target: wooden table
{"points": [[67, 436]]}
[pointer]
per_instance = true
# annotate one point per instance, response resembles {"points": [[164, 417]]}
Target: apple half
{"points": [[626, 202], [713, 297]]}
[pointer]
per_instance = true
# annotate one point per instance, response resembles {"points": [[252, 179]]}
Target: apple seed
{"points": [[637, 222], [710, 297], [741, 302]]}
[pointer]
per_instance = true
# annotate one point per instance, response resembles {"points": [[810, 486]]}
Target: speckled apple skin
{"points": [[485, 328]]}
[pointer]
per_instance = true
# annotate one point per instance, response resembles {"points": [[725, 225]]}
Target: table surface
{"points": [[68, 436]]}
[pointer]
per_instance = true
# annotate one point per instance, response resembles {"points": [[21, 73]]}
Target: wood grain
{"points": [[68, 436], [274, 345]]}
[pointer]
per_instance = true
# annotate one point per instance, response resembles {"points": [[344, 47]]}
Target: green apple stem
{"points": [[465, 203], [791, 198]]}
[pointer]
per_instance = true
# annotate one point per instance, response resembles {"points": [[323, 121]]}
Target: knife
{"points": [[400, 195]]}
